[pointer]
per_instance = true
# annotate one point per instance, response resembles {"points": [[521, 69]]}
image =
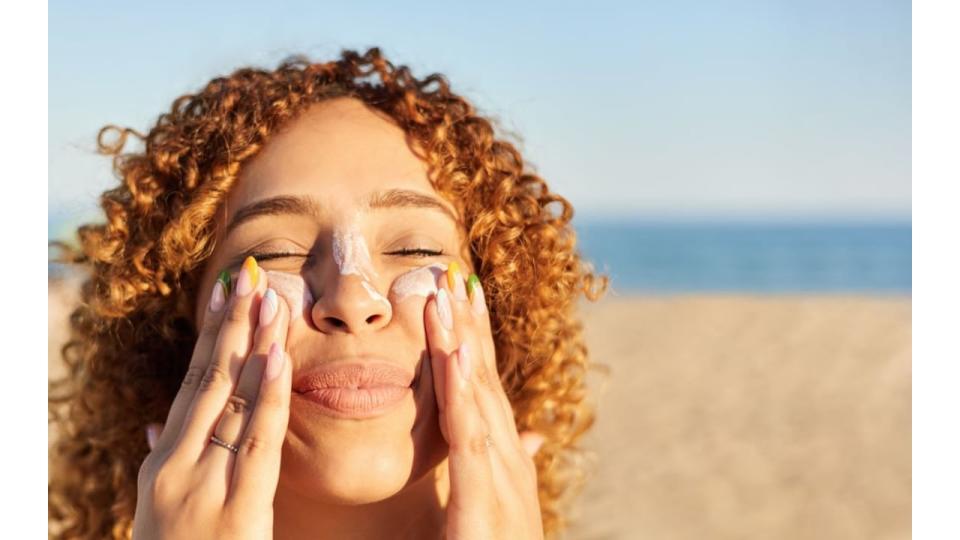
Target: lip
{"points": [[355, 389]]}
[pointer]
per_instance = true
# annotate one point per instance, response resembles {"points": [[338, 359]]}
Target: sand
{"points": [[750, 417], [739, 417]]}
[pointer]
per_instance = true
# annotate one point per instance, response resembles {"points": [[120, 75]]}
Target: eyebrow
{"points": [[305, 205]]}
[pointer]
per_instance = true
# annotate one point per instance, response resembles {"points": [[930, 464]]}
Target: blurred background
{"points": [[741, 170]]}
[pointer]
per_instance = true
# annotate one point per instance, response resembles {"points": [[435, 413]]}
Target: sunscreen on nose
{"points": [[352, 256]]}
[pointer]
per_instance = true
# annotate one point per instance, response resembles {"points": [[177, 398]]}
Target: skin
{"points": [[420, 469]]}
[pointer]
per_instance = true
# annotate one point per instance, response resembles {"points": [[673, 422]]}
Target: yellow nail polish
{"points": [[453, 274], [250, 265]]}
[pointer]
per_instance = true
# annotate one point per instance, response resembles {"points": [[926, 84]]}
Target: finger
{"points": [[257, 466], [474, 329], [481, 316], [272, 328], [226, 362], [438, 325], [202, 351], [471, 475]]}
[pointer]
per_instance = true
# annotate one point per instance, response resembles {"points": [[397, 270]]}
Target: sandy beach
{"points": [[732, 417]]}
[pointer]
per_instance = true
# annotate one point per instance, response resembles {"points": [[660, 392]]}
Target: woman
{"points": [[339, 309]]}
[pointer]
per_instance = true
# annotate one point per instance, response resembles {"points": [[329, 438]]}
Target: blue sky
{"points": [[630, 109]]}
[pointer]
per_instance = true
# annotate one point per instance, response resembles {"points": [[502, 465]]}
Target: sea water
{"points": [[751, 257]]}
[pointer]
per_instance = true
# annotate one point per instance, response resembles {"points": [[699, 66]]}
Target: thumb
{"points": [[531, 441], [153, 433]]}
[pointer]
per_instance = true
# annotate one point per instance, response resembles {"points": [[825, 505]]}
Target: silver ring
{"points": [[223, 443], [488, 440]]}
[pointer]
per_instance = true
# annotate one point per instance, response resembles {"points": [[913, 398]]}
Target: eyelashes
{"points": [[405, 252], [418, 252]]}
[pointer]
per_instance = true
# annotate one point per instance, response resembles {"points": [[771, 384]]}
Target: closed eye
{"points": [[260, 257], [405, 252], [418, 252]]}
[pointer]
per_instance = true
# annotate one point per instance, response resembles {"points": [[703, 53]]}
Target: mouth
{"points": [[356, 389]]}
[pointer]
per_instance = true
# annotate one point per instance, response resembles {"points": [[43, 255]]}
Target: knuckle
{"points": [[476, 445], [210, 328], [270, 401], [215, 375], [488, 379], [161, 486], [239, 404], [253, 445], [192, 377], [237, 313]]}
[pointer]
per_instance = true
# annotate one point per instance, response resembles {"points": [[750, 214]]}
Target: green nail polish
{"points": [[224, 278], [472, 283]]}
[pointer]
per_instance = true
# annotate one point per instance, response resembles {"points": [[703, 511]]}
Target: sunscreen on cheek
{"points": [[418, 282], [293, 289]]}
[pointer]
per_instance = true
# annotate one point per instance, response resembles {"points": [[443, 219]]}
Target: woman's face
{"points": [[341, 193]]}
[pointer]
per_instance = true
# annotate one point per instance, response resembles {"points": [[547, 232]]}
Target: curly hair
{"points": [[132, 335]]}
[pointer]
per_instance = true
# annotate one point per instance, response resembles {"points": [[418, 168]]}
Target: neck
{"points": [[418, 511]]}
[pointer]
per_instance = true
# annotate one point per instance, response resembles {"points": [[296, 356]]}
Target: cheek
{"points": [[419, 283], [294, 290], [408, 293]]}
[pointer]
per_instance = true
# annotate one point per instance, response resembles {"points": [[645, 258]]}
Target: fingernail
{"points": [[444, 310], [275, 359], [478, 302], [248, 277], [463, 358], [455, 281], [225, 279], [153, 433], [268, 307], [472, 282], [218, 297], [532, 443]]}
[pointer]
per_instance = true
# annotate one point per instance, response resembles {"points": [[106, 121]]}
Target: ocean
{"points": [[870, 258], [723, 256]]}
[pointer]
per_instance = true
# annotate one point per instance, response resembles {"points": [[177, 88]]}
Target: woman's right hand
{"points": [[236, 388]]}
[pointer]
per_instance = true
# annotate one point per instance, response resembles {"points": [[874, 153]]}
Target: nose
{"points": [[352, 305]]}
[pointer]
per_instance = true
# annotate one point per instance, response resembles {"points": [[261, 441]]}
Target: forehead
{"points": [[337, 151]]}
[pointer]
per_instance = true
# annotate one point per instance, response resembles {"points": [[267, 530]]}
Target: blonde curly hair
{"points": [[133, 332]]}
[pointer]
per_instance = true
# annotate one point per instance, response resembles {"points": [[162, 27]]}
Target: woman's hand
{"points": [[493, 480], [236, 388]]}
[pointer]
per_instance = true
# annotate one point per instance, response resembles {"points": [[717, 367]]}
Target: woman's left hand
{"points": [[493, 480]]}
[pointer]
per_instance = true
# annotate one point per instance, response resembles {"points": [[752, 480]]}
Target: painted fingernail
{"points": [[225, 280], [444, 310], [472, 282], [268, 307], [455, 281], [532, 443], [218, 297], [248, 277], [478, 302], [153, 433], [275, 359], [463, 358]]}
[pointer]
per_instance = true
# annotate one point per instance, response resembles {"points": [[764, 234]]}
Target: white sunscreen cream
{"points": [[418, 282], [352, 256], [294, 290]]}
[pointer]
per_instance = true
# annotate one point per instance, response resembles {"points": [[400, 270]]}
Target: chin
{"points": [[350, 474], [352, 462]]}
